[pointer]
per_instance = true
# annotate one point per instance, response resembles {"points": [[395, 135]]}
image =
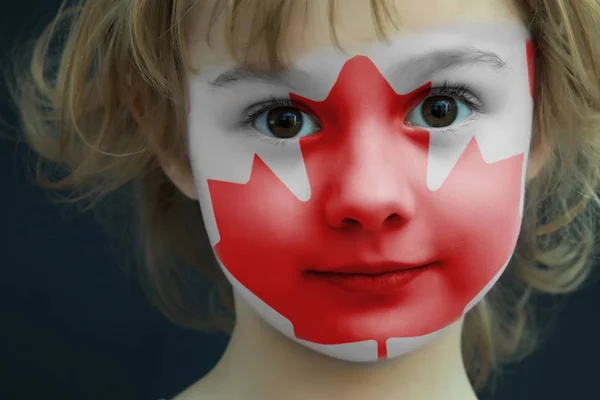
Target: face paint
{"points": [[366, 231]]}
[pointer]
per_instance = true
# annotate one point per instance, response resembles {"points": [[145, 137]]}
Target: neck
{"points": [[260, 363]]}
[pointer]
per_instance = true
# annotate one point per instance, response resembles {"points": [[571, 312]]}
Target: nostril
{"points": [[393, 220], [349, 223]]}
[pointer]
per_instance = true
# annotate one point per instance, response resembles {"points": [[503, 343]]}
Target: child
{"points": [[377, 190]]}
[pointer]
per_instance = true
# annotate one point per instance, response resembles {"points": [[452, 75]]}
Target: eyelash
{"points": [[461, 91]]}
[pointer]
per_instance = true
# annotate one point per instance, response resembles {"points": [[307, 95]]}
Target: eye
{"points": [[285, 123], [439, 112]]}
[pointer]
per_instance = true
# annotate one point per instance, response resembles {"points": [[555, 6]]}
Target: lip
{"points": [[371, 278], [370, 268]]}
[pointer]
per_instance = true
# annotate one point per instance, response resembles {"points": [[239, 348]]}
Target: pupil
{"points": [[285, 122], [440, 109], [439, 112]]}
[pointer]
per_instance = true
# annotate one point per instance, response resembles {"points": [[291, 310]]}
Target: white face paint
{"points": [[367, 231]]}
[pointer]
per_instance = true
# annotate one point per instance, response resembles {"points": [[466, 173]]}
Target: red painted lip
{"points": [[369, 269], [371, 278]]}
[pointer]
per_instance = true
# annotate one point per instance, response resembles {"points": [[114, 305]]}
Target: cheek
{"points": [[262, 218], [265, 216], [477, 224], [479, 196]]}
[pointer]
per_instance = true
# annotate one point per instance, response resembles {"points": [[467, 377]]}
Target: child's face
{"points": [[361, 203]]}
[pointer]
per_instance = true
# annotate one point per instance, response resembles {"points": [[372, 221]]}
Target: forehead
{"points": [[307, 26]]}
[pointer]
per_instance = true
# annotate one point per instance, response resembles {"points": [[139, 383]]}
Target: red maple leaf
{"points": [[363, 160]]}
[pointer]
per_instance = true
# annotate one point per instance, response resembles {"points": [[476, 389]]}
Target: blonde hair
{"points": [[76, 104]]}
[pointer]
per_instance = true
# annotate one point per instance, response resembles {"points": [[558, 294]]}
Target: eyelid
{"points": [[462, 91], [252, 112]]}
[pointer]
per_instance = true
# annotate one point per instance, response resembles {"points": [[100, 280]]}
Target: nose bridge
{"points": [[368, 161], [371, 187]]}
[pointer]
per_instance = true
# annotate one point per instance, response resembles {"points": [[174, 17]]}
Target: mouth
{"points": [[369, 269], [379, 278]]}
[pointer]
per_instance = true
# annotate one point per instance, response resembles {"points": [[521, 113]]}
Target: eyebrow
{"points": [[419, 67]]}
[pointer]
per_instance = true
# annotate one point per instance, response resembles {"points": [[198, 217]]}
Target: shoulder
{"points": [[212, 386], [201, 391]]}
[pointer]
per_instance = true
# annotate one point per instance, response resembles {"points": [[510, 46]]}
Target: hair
{"points": [[97, 58]]}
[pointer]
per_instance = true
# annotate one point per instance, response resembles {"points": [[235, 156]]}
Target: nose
{"points": [[369, 196]]}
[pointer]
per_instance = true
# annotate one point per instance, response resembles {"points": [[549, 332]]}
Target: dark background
{"points": [[73, 325]]}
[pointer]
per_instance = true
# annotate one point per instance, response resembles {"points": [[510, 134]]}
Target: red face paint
{"points": [[531, 67], [369, 206]]}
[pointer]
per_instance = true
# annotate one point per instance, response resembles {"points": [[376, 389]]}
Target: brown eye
{"points": [[284, 122], [439, 111]]}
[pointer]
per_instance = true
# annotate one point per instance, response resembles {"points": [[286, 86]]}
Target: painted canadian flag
{"points": [[367, 189]]}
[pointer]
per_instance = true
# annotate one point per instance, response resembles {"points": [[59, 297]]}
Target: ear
{"points": [[181, 177], [178, 173]]}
